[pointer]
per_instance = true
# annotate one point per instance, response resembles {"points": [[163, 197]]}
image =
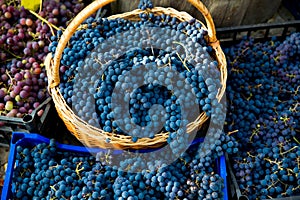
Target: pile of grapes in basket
{"points": [[24, 41], [141, 77]]}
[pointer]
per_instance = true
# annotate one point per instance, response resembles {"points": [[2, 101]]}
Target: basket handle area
{"points": [[208, 19], [92, 8], [67, 34]]}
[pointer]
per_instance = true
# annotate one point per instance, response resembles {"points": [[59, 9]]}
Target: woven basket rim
{"points": [[89, 135]]}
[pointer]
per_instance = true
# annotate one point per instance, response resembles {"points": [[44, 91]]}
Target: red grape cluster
{"points": [[24, 40]]}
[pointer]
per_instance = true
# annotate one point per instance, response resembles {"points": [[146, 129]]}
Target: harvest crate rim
{"points": [[228, 35]]}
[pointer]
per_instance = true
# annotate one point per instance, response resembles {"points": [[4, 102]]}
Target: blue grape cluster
{"points": [[45, 172], [141, 99], [269, 164], [263, 96], [105, 56], [144, 4]]}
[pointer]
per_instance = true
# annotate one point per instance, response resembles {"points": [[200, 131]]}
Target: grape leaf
{"points": [[31, 4]]}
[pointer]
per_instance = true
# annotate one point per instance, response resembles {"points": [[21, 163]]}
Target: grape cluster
{"points": [[43, 171], [263, 96], [170, 58], [24, 41], [144, 4], [271, 167]]}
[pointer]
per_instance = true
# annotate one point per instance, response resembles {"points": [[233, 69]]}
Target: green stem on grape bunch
{"points": [[276, 59], [183, 160], [290, 75], [278, 163], [51, 26], [297, 90], [272, 184], [186, 52], [14, 55], [98, 61], [79, 170], [7, 60], [53, 188], [255, 132], [295, 147], [294, 107], [11, 80], [296, 188], [34, 35], [237, 70], [296, 140], [281, 181], [284, 119], [183, 62], [250, 155], [236, 59], [12, 2], [51, 167]]}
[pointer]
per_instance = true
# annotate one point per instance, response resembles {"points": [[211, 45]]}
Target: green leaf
{"points": [[31, 4]]}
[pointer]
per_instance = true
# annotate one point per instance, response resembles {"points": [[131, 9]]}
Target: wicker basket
{"points": [[94, 137]]}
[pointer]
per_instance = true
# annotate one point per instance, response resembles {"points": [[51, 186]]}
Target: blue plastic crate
{"points": [[30, 140]]}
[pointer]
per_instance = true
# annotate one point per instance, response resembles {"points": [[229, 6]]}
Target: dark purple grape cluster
{"points": [[263, 105], [45, 172], [24, 41]]}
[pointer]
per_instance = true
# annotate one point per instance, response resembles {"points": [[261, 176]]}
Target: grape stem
{"points": [[98, 61], [186, 53], [242, 53], [77, 170], [284, 119], [296, 140], [296, 188], [183, 61], [249, 154], [255, 132], [11, 80], [107, 157], [294, 108], [237, 70], [232, 132], [274, 162], [53, 188], [51, 167], [51, 26], [297, 90], [295, 147], [14, 55], [273, 184]]}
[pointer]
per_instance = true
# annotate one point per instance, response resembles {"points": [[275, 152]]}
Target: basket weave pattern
{"points": [[94, 137]]}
